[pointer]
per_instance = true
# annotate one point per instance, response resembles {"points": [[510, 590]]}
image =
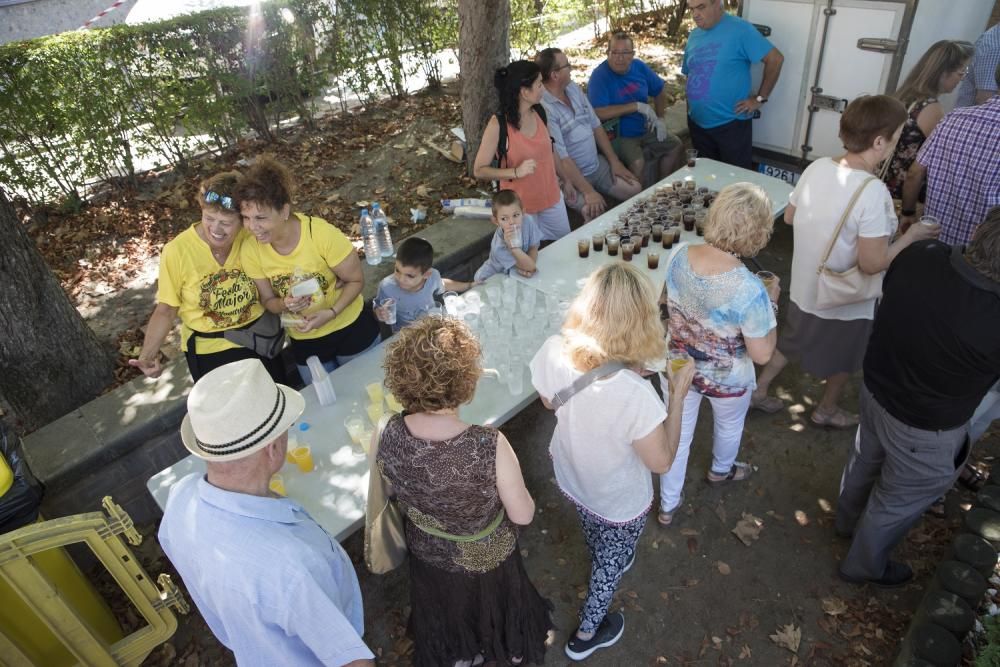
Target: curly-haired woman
{"points": [[202, 281], [471, 600], [336, 325], [611, 433], [529, 167], [723, 318]]}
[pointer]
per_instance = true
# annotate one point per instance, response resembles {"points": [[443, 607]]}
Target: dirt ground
{"points": [[697, 595]]}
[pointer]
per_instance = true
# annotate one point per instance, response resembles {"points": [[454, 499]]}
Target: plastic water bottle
{"points": [[373, 254], [382, 230], [321, 380]]}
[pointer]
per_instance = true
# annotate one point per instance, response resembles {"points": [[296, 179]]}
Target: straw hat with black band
{"points": [[236, 410]]}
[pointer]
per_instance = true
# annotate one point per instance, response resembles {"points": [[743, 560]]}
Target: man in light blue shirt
{"points": [[717, 60], [271, 584], [577, 135]]}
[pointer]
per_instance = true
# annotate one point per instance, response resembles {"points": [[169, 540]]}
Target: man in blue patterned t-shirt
{"points": [[717, 60]]}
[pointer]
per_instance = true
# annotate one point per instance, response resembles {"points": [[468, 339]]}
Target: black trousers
{"points": [[200, 364], [731, 143]]}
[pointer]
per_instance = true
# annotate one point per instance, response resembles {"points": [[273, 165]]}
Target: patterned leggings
{"points": [[611, 548]]}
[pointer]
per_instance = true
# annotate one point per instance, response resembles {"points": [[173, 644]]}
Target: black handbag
{"points": [[265, 335]]}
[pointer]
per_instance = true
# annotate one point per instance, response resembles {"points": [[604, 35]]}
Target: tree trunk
{"points": [[483, 46], [50, 359]]}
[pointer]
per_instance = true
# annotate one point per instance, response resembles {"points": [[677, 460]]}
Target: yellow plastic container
{"points": [[50, 615], [6, 476]]}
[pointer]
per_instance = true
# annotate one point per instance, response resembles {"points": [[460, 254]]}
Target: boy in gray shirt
{"points": [[415, 285], [505, 252]]}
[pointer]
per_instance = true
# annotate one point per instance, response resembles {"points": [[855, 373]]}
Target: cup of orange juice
{"points": [[277, 485], [302, 457]]}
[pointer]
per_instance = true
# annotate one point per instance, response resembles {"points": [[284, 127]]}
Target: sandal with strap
{"points": [[836, 419], [666, 518], [737, 473], [765, 403], [937, 509], [972, 478]]}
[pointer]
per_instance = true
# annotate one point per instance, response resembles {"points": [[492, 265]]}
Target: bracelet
{"points": [[774, 307], [334, 311], [907, 212]]}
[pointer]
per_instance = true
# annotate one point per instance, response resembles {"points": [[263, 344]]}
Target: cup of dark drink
{"points": [[657, 232], [627, 251], [645, 232], [700, 226], [653, 260], [689, 218], [686, 198], [613, 242], [583, 247], [598, 241], [678, 185], [668, 238], [690, 186], [692, 156]]}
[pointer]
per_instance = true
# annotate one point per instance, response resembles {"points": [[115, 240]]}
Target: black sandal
{"points": [[971, 478], [937, 509]]}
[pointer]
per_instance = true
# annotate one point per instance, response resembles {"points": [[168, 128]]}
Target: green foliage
{"points": [[90, 105], [989, 653]]}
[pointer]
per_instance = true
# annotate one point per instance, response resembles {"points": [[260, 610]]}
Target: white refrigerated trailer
{"points": [[836, 50]]}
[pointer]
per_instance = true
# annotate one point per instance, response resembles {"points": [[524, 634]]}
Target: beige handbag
{"points": [[385, 538], [840, 288]]}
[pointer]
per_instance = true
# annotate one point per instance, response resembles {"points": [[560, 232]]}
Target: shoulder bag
{"points": [[840, 288], [385, 538], [563, 395]]}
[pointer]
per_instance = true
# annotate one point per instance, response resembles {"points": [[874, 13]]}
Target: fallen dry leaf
{"points": [[723, 568], [748, 529], [788, 636], [692, 545], [745, 652], [689, 532], [834, 606]]}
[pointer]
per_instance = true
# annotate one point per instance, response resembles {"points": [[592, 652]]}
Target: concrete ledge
{"points": [[94, 437], [675, 118]]}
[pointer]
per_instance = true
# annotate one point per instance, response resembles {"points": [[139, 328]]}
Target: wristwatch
{"points": [[761, 99]]}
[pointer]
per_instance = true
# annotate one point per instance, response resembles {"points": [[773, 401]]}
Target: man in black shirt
{"points": [[934, 352]]}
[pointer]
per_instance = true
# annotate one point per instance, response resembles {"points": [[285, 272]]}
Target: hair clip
{"points": [[227, 203]]}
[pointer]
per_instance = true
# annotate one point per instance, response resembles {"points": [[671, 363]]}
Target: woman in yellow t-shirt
{"points": [[202, 280], [333, 321]]}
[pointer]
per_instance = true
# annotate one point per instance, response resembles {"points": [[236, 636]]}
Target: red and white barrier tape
{"points": [[117, 4]]}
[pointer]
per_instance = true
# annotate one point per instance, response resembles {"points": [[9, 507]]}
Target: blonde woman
{"points": [[938, 72], [471, 599], [723, 318], [610, 434]]}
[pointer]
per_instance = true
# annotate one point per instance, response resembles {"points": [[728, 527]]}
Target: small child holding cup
{"points": [[515, 243], [414, 287]]}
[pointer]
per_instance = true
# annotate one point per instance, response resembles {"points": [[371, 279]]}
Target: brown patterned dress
{"points": [[467, 598]]}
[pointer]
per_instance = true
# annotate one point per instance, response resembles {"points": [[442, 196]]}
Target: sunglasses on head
{"points": [[223, 201]]}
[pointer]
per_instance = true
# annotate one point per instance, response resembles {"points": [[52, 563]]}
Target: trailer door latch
{"points": [[878, 44], [828, 102]]}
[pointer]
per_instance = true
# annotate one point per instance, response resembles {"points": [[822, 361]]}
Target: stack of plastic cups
{"points": [[515, 375], [473, 302], [321, 381], [493, 294]]}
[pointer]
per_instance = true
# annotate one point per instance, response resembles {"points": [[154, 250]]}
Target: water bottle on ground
{"points": [[373, 253], [382, 230]]}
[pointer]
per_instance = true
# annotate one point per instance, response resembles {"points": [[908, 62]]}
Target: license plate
{"points": [[786, 175]]}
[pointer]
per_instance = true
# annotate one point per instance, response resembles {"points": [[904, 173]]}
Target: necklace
{"points": [[732, 254]]}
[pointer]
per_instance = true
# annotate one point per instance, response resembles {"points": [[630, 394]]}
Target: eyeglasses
{"points": [[566, 66], [962, 72], [621, 54], [225, 202]]}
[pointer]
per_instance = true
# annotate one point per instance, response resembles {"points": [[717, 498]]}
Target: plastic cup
{"points": [[493, 293], [692, 157], [627, 251], [657, 232], [277, 484], [929, 220], [653, 260], [374, 392], [645, 231], [375, 412], [515, 378], [679, 363], [355, 427], [388, 304], [699, 224], [302, 457], [678, 185], [598, 241], [394, 405], [583, 248], [515, 237], [690, 186], [613, 242], [767, 278]]}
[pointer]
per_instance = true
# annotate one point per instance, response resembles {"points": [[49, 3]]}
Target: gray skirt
{"points": [[823, 347]]}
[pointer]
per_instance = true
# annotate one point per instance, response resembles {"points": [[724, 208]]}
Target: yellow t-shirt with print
{"points": [[321, 246], [208, 297]]}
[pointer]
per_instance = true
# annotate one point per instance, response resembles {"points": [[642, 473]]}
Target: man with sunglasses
{"points": [[717, 60], [619, 90]]}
